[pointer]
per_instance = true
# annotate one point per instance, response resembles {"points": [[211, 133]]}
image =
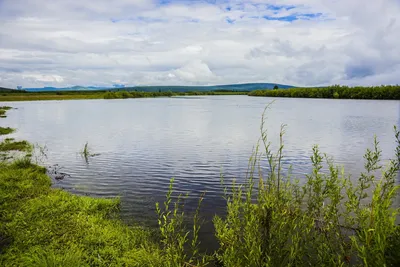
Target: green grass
{"points": [[338, 92], [72, 95], [11, 145], [330, 220], [3, 111], [48, 96], [4, 131], [41, 226]]}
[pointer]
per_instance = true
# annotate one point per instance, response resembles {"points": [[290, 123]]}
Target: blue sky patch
{"points": [[278, 7], [230, 21], [294, 17]]}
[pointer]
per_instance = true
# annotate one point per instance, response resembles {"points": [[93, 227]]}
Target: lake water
{"points": [[144, 142]]}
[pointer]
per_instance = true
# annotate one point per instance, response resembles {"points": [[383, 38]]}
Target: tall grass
{"points": [[330, 220], [181, 245], [86, 153]]}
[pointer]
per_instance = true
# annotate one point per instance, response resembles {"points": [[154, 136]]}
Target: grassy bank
{"points": [[329, 219], [25, 96], [339, 92], [41, 226], [134, 94], [76, 95]]}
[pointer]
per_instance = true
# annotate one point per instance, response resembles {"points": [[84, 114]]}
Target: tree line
{"points": [[335, 91]]}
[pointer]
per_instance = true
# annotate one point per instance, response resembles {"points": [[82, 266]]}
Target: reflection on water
{"points": [[144, 142]]}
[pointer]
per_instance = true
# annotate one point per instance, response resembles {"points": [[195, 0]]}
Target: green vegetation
{"points": [[342, 92], [134, 94], [273, 219], [329, 220], [217, 92], [76, 95], [33, 96], [86, 152], [10, 145], [3, 111], [4, 131], [41, 226]]}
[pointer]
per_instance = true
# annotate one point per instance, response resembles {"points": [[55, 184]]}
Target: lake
{"points": [[144, 142]]}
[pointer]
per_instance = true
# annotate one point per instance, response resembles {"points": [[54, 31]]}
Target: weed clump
{"points": [[3, 111], [86, 152], [7, 130], [10, 145]]}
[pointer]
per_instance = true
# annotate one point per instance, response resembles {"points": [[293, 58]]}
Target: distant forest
{"points": [[336, 91]]}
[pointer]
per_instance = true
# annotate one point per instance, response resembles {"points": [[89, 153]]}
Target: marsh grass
{"points": [[331, 220], [6, 130], [10, 145], [3, 111], [180, 245], [41, 226], [86, 153]]}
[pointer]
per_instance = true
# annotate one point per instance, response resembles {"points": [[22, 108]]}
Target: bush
{"points": [[330, 220]]}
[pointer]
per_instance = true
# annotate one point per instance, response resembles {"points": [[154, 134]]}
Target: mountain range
{"points": [[228, 87]]}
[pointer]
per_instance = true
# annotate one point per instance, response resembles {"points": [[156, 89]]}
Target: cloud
{"points": [[300, 42]]}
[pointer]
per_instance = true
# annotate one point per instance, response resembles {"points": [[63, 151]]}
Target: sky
{"points": [[199, 42]]}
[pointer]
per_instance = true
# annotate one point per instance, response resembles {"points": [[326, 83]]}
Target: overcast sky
{"points": [[170, 42]]}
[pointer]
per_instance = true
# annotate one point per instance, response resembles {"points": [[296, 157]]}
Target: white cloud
{"points": [[300, 42]]}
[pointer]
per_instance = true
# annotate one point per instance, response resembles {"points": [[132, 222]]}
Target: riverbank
{"points": [[387, 92], [42, 226], [78, 95]]}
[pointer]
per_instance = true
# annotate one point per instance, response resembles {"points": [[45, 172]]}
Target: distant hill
{"points": [[8, 90], [229, 87], [73, 88]]}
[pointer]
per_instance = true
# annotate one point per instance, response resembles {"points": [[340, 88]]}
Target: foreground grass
{"points": [[41, 226], [339, 92]]}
